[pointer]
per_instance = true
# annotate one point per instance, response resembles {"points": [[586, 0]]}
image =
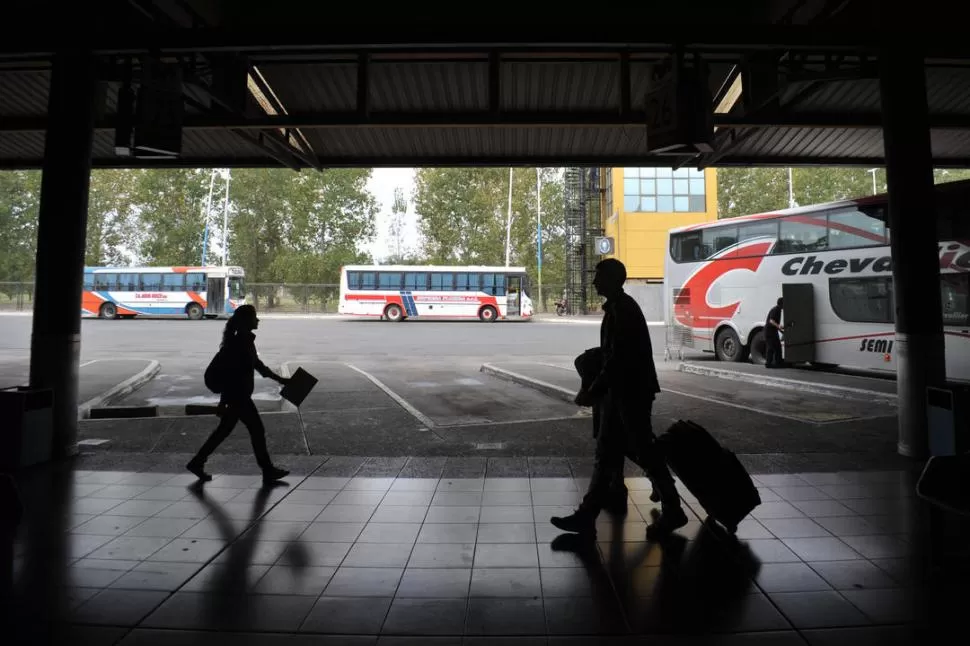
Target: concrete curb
{"points": [[830, 390], [566, 320], [552, 390], [122, 412], [126, 387]]}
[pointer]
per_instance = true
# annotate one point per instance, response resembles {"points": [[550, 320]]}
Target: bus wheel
{"points": [[194, 312], [394, 313], [727, 346], [757, 352], [488, 314], [108, 311]]}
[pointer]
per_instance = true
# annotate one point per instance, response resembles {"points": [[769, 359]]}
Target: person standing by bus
{"points": [[773, 328], [236, 401], [625, 388]]}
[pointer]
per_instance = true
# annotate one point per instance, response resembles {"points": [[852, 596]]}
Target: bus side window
{"points": [[195, 282], [488, 284], [442, 282], [88, 284], [368, 280], [854, 228], [129, 282], [801, 234], [686, 247], [500, 284], [955, 297], [461, 282], [107, 282], [716, 239], [151, 282], [353, 280], [173, 282], [863, 300], [415, 281], [390, 280], [474, 282], [752, 230]]}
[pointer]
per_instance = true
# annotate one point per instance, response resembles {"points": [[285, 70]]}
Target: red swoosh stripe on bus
{"points": [[696, 311]]}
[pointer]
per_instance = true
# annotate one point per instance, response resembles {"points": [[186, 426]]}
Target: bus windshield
{"points": [[237, 288]]}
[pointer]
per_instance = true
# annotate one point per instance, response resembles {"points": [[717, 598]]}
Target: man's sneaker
{"points": [[271, 474], [197, 469], [654, 496], [577, 522], [667, 523]]}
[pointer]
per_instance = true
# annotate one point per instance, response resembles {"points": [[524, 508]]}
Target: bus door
{"points": [[798, 317], [215, 304], [513, 295]]}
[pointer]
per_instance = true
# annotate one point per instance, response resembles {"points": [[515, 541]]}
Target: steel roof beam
{"points": [[430, 37], [551, 161], [486, 119]]}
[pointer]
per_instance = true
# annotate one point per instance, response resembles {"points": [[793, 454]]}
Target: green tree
{"points": [[170, 207], [19, 203], [299, 227], [463, 215], [111, 218], [744, 191]]}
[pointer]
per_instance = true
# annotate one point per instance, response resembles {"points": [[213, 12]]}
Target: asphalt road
{"points": [[415, 388], [320, 339]]}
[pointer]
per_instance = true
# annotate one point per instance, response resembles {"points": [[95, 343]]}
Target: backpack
{"points": [[215, 373]]}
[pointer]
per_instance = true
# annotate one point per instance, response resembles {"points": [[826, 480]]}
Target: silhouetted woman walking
{"points": [[238, 362]]}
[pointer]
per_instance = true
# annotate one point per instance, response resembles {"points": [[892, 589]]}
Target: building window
{"points": [[664, 190]]}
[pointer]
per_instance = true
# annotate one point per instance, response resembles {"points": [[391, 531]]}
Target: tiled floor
{"points": [[147, 558]]}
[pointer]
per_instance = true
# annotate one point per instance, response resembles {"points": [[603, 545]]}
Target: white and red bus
{"points": [[832, 265], [398, 292], [194, 292]]}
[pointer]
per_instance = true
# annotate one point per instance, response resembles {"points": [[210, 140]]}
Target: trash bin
{"points": [[26, 420], [947, 409]]}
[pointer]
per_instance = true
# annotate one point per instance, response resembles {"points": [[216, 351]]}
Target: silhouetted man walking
{"points": [[772, 338], [626, 387]]}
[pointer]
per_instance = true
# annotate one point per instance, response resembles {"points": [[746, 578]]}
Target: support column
{"points": [[916, 264], [62, 227]]}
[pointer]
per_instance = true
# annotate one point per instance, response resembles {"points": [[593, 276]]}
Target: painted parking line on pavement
{"points": [[426, 421]]}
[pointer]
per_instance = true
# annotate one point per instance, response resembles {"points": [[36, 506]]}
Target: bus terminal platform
{"points": [[124, 548]]}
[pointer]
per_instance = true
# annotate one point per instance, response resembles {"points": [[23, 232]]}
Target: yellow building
{"points": [[641, 204]]}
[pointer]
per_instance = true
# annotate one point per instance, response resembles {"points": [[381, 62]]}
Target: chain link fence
{"points": [[278, 298]]}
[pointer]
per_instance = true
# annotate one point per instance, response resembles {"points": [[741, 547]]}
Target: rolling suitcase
{"points": [[712, 473]]}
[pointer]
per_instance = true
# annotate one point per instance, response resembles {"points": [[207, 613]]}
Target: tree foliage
{"points": [[19, 202], [463, 216], [112, 232], [744, 191]]}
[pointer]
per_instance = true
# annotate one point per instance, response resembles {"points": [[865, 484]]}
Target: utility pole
{"points": [[539, 232], [225, 223], [791, 191], [208, 208], [873, 171], [508, 223]]}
